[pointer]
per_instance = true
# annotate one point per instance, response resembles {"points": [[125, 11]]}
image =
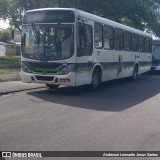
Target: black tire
{"points": [[52, 86], [135, 74], [96, 80]]}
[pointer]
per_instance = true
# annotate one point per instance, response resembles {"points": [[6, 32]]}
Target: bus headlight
{"points": [[67, 69], [25, 68]]}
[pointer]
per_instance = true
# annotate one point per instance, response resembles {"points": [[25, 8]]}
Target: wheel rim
{"points": [[95, 80], [135, 74]]}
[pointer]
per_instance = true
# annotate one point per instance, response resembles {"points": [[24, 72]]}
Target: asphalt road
{"points": [[121, 116]]}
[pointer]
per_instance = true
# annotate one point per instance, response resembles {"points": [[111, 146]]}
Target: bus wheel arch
{"points": [[96, 78]]}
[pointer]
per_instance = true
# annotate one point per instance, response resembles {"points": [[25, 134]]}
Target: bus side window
{"points": [[98, 34], [118, 39], [108, 37], [147, 45], [141, 44], [84, 39], [150, 45], [135, 43], [127, 41]]}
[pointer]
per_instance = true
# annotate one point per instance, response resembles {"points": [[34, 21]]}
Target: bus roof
{"points": [[97, 19], [112, 23]]}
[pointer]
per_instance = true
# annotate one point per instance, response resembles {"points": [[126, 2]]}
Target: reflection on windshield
{"points": [[47, 42]]}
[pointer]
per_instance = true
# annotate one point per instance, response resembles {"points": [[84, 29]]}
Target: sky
{"points": [[4, 24]]}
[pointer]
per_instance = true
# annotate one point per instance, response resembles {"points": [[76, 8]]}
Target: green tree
{"points": [[5, 35], [12, 10]]}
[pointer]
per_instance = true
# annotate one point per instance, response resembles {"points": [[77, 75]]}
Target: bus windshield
{"points": [[47, 42]]}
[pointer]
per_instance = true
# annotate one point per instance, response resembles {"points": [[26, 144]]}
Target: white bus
{"points": [[70, 47], [156, 55]]}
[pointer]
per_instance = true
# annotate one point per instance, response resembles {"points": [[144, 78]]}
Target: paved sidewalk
{"points": [[15, 86]]}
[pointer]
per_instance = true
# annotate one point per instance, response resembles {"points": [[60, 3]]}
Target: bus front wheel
{"points": [[135, 74], [95, 81]]}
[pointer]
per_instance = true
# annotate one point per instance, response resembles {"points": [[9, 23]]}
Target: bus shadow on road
{"points": [[114, 95]]}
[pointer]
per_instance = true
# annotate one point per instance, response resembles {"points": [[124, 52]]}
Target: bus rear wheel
{"points": [[52, 86], [96, 80], [135, 74]]}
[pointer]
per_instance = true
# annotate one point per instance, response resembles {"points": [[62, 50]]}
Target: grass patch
{"points": [[10, 60], [3, 72]]}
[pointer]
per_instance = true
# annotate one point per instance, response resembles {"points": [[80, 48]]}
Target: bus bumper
{"points": [[65, 80]]}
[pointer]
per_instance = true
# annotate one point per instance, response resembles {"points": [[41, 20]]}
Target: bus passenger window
{"points": [[150, 45], [108, 37], [84, 40], [98, 31], [135, 40], [141, 44], [147, 45], [127, 41], [118, 39]]}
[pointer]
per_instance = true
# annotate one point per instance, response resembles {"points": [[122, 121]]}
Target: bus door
{"points": [[84, 52], [147, 55], [103, 50], [125, 57], [119, 53], [140, 58], [135, 51]]}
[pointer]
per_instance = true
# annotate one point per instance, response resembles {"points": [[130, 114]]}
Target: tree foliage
{"points": [[5, 35], [140, 14]]}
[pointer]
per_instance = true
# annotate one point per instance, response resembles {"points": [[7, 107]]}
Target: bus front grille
{"points": [[44, 78]]}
